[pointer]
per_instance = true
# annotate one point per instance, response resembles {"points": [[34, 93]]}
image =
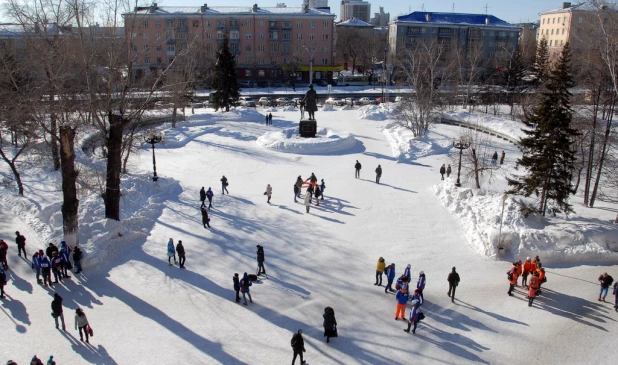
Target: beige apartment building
{"points": [[578, 24], [273, 43]]}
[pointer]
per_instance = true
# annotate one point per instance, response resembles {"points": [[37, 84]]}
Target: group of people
{"points": [[358, 166], [445, 170], [173, 250], [313, 189], [494, 158], [532, 268], [269, 119], [81, 321], [209, 194], [330, 330]]}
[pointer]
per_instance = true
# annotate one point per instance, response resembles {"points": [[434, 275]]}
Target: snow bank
{"points": [[327, 108], [288, 108], [326, 141], [511, 128], [373, 112], [405, 146], [574, 239]]}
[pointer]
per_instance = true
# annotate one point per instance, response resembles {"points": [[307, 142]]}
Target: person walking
{"points": [[205, 218], [46, 265], [298, 346], [380, 267], [20, 240], [180, 249], [36, 266], [453, 282], [266, 119], [57, 267], [330, 323], [402, 297], [209, 195], [260, 260], [502, 158], [357, 168], [298, 185], [308, 199], [442, 171], [535, 285], [224, 185], [245, 283], [406, 271], [236, 280], [378, 174], [420, 284], [3, 280], [4, 249], [81, 323], [171, 252], [77, 259], [268, 193], [56, 306], [448, 171], [390, 276], [322, 187], [203, 196], [414, 316], [527, 269], [512, 278], [616, 296], [494, 158], [270, 119], [606, 281]]}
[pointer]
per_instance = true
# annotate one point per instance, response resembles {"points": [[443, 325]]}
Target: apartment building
{"points": [[269, 43], [381, 19], [355, 9], [494, 37], [578, 24]]}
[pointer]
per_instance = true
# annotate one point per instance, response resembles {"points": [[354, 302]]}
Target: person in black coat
{"points": [[21, 244], [378, 174], [260, 260], [237, 286], [448, 171], [453, 281], [56, 307], [51, 249], [205, 218], [180, 250], [357, 168], [203, 196], [442, 171], [298, 345], [330, 323]]}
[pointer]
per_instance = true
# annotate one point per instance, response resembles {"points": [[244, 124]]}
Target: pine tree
{"points": [[547, 153], [541, 62], [225, 80]]}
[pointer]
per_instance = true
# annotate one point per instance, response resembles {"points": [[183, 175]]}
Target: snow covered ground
{"points": [[144, 311]]}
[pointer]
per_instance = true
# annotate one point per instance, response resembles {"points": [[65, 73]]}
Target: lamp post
{"points": [[311, 52], [154, 139], [504, 198], [384, 74], [461, 145]]}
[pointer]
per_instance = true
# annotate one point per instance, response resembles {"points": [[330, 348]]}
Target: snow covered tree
{"points": [[514, 75], [225, 80], [548, 155], [541, 62]]}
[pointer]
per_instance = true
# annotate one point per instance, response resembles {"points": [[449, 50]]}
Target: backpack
{"points": [[509, 275]]}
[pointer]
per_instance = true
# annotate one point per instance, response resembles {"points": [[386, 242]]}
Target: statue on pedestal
{"points": [[311, 102]]}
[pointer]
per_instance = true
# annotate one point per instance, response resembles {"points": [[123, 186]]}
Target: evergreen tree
{"points": [[225, 80], [514, 75], [541, 62], [547, 153]]}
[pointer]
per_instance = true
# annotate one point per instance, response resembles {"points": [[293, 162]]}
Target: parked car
{"points": [[352, 101], [284, 101], [384, 100], [265, 101], [296, 101], [335, 101], [246, 84], [246, 101], [368, 101]]}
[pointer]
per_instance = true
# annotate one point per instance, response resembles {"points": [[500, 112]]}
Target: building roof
{"points": [[585, 6], [354, 22], [230, 10], [453, 18], [11, 30]]}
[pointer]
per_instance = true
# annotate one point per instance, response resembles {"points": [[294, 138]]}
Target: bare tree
{"points": [[475, 163]]}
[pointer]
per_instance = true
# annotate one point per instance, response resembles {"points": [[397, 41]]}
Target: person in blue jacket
{"points": [[402, 297], [402, 282], [171, 252], [390, 276], [406, 272], [414, 317], [245, 283], [209, 195], [36, 266], [45, 265], [65, 250], [3, 280], [417, 297], [420, 284]]}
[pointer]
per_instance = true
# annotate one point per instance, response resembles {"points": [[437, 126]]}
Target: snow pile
{"points": [[479, 213], [288, 108], [327, 108], [373, 112], [404, 145], [511, 128], [271, 109], [346, 107], [326, 141]]}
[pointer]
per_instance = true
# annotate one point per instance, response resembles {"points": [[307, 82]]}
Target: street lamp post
{"points": [[461, 145], [311, 52], [384, 74], [154, 139], [504, 197]]}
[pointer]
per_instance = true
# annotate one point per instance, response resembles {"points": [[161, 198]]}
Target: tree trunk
{"points": [[591, 147], [53, 126], [11, 164], [475, 163], [70, 202], [174, 117], [608, 129], [114, 164]]}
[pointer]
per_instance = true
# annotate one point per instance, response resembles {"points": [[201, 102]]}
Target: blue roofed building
{"points": [[494, 38]]}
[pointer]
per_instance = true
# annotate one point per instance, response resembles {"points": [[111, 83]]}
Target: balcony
{"points": [[170, 41], [170, 53], [182, 28]]}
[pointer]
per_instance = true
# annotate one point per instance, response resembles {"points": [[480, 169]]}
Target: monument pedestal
{"points": [[307, 128]]}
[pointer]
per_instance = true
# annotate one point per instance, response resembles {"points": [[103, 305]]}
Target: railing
{"points": [[445, 120]]}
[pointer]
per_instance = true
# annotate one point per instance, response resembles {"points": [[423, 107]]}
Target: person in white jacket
{"points": [[307, 200], [81, 322], [269, 192]]}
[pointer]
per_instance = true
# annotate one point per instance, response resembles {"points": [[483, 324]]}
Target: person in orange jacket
{"points": [[535, 284], [512, 278], [541, 272], [527, 270], [519, 270]]}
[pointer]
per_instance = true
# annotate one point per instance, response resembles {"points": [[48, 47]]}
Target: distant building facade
{"points": [[381, 19], [355, 9], [269, 43]]}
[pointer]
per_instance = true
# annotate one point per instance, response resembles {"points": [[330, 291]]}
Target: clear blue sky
{"points": [[510, 10]]}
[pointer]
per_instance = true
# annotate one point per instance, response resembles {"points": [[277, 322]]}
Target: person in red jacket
{"points": [[535, 284], [520, 270], [512, 278], [527, 270]]}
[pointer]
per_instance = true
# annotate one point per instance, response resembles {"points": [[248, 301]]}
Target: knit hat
{"points": [[409, 266], [421, 273]]}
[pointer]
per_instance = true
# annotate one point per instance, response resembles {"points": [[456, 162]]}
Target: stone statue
{"points": [[311, 101]]}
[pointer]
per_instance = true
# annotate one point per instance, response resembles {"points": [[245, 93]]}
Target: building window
{"points": [[208, 35], [580, 20], [209, 23], [247, 23], [274, 47], [196, 23], [182, 22], [170, 60], [248, 72], [561, 43], [157, 24], [234, 34], [299, 24], [209, 47], [159, 48], [158, 36], [299, 36], [220, 34], [248, 36], [311, 24], [145, 23], [552, 32], [286, 61], [234, 23], [273, 24], [171, 48], [144, 36], [287, 35], [324, 24], [221, 23], [261, 35], [273, 35], [553, 20], [564, 20], [286, 24], [286, 48], [563, 31], [182, 35], [133, 35], [248, 48], [261, 48], [169, 22], [146, 60], [312, 37], [146, 48], [235, 47], [324, 37], [324, 49], [550, 42], [543, 20], [133, 48], [159, 60], [261, 24], [325, 61]]}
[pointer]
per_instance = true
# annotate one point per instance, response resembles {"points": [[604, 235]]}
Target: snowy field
{"points": [[144, 311]]}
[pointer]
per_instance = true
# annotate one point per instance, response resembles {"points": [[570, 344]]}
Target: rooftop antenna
{"points": [[453, 7], [423, 7], [486, 6]]}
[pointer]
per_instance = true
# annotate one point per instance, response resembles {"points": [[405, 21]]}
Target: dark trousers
{"points": [[388, 285], [357, 173], [57, 274], [38, 274], [377, 179], [21, 248], [530, 300], [442, 176], [203, 203], [210, 202], [511, 288], [378, 278], [261, 269], [181, 260], [85, 331], [5, 263], [46, 276], [451, 289], [237, 295], [524, 279], [224, 189], [2, 290], [410, 323], [299, 353], [61, 316]]}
